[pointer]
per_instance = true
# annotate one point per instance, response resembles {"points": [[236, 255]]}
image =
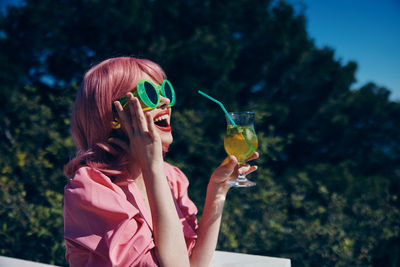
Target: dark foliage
{"points": [[328, 185]]}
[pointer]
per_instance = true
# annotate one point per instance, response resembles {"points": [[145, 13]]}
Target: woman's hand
{"points": [[215, 199], [229, 170], [146, 149], [144, 141]]}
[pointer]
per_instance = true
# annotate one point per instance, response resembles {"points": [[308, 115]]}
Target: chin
{"points": [[166, 140], [165, 145]]}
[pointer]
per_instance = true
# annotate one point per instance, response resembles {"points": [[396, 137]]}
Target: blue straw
{"points": [[227, 115], [220, 104]]}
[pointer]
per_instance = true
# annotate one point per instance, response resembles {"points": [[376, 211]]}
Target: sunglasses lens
{"points": [[168, 91], [151, 92]]}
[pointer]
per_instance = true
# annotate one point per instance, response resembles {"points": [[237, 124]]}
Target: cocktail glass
{"points": [[241, 141]]}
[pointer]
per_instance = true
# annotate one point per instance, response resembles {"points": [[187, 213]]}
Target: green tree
{"points": [[328, 185]]}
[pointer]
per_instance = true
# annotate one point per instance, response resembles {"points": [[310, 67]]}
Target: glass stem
{"points": [[242, 176]]}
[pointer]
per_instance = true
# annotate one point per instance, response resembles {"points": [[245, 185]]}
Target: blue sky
{"points": [[365, 31]]}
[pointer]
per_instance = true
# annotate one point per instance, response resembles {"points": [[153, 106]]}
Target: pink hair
{"points": [[92, 111]]}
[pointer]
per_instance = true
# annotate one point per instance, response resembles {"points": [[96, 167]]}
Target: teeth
{"points": [[163, 117]]}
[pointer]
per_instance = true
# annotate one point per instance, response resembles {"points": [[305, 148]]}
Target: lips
{"points": [[161, 121]]}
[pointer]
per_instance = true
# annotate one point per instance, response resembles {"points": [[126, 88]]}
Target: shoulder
{"points": [[176, 178], [173, 173], [90, 185], [87, 176], [92, 197]]}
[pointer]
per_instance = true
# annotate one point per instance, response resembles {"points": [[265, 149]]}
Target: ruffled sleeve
{"points": [[187, 210], [101, 227]]}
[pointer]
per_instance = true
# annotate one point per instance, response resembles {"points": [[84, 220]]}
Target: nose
{"points": [[164, 102]]}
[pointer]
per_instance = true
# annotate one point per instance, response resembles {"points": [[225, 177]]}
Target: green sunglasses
{"points": [[149, 94]]}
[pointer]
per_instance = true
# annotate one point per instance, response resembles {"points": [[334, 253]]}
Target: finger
{"points": [[137, 113], [150, 125], [230, 161], [247, 169], [124, 120], [226, 161], [229, 165], [254, 156], [119, 143], [244, 168], [252, 169], [131, 107]]}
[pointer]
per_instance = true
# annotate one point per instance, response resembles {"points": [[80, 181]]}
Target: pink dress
{"points": [[106, 224]]}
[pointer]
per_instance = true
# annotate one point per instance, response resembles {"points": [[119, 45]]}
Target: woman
{"points": [[124, 205]]}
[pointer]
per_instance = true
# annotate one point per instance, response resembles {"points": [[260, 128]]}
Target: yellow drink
{"points": [[235, 143]]}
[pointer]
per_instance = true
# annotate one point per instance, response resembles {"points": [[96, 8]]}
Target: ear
{"points": [[115, 124]]}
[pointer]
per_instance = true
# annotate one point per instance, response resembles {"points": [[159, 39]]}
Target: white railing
{"points": [[230, 259], [13, 262], [220, 259]]}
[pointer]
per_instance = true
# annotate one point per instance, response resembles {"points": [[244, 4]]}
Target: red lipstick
{"points": [[161, 121]]}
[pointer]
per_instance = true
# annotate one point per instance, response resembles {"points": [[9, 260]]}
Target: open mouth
{"points": [[161, 121]]}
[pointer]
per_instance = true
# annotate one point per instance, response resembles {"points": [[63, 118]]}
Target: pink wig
{"points": [[92, 112]]}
